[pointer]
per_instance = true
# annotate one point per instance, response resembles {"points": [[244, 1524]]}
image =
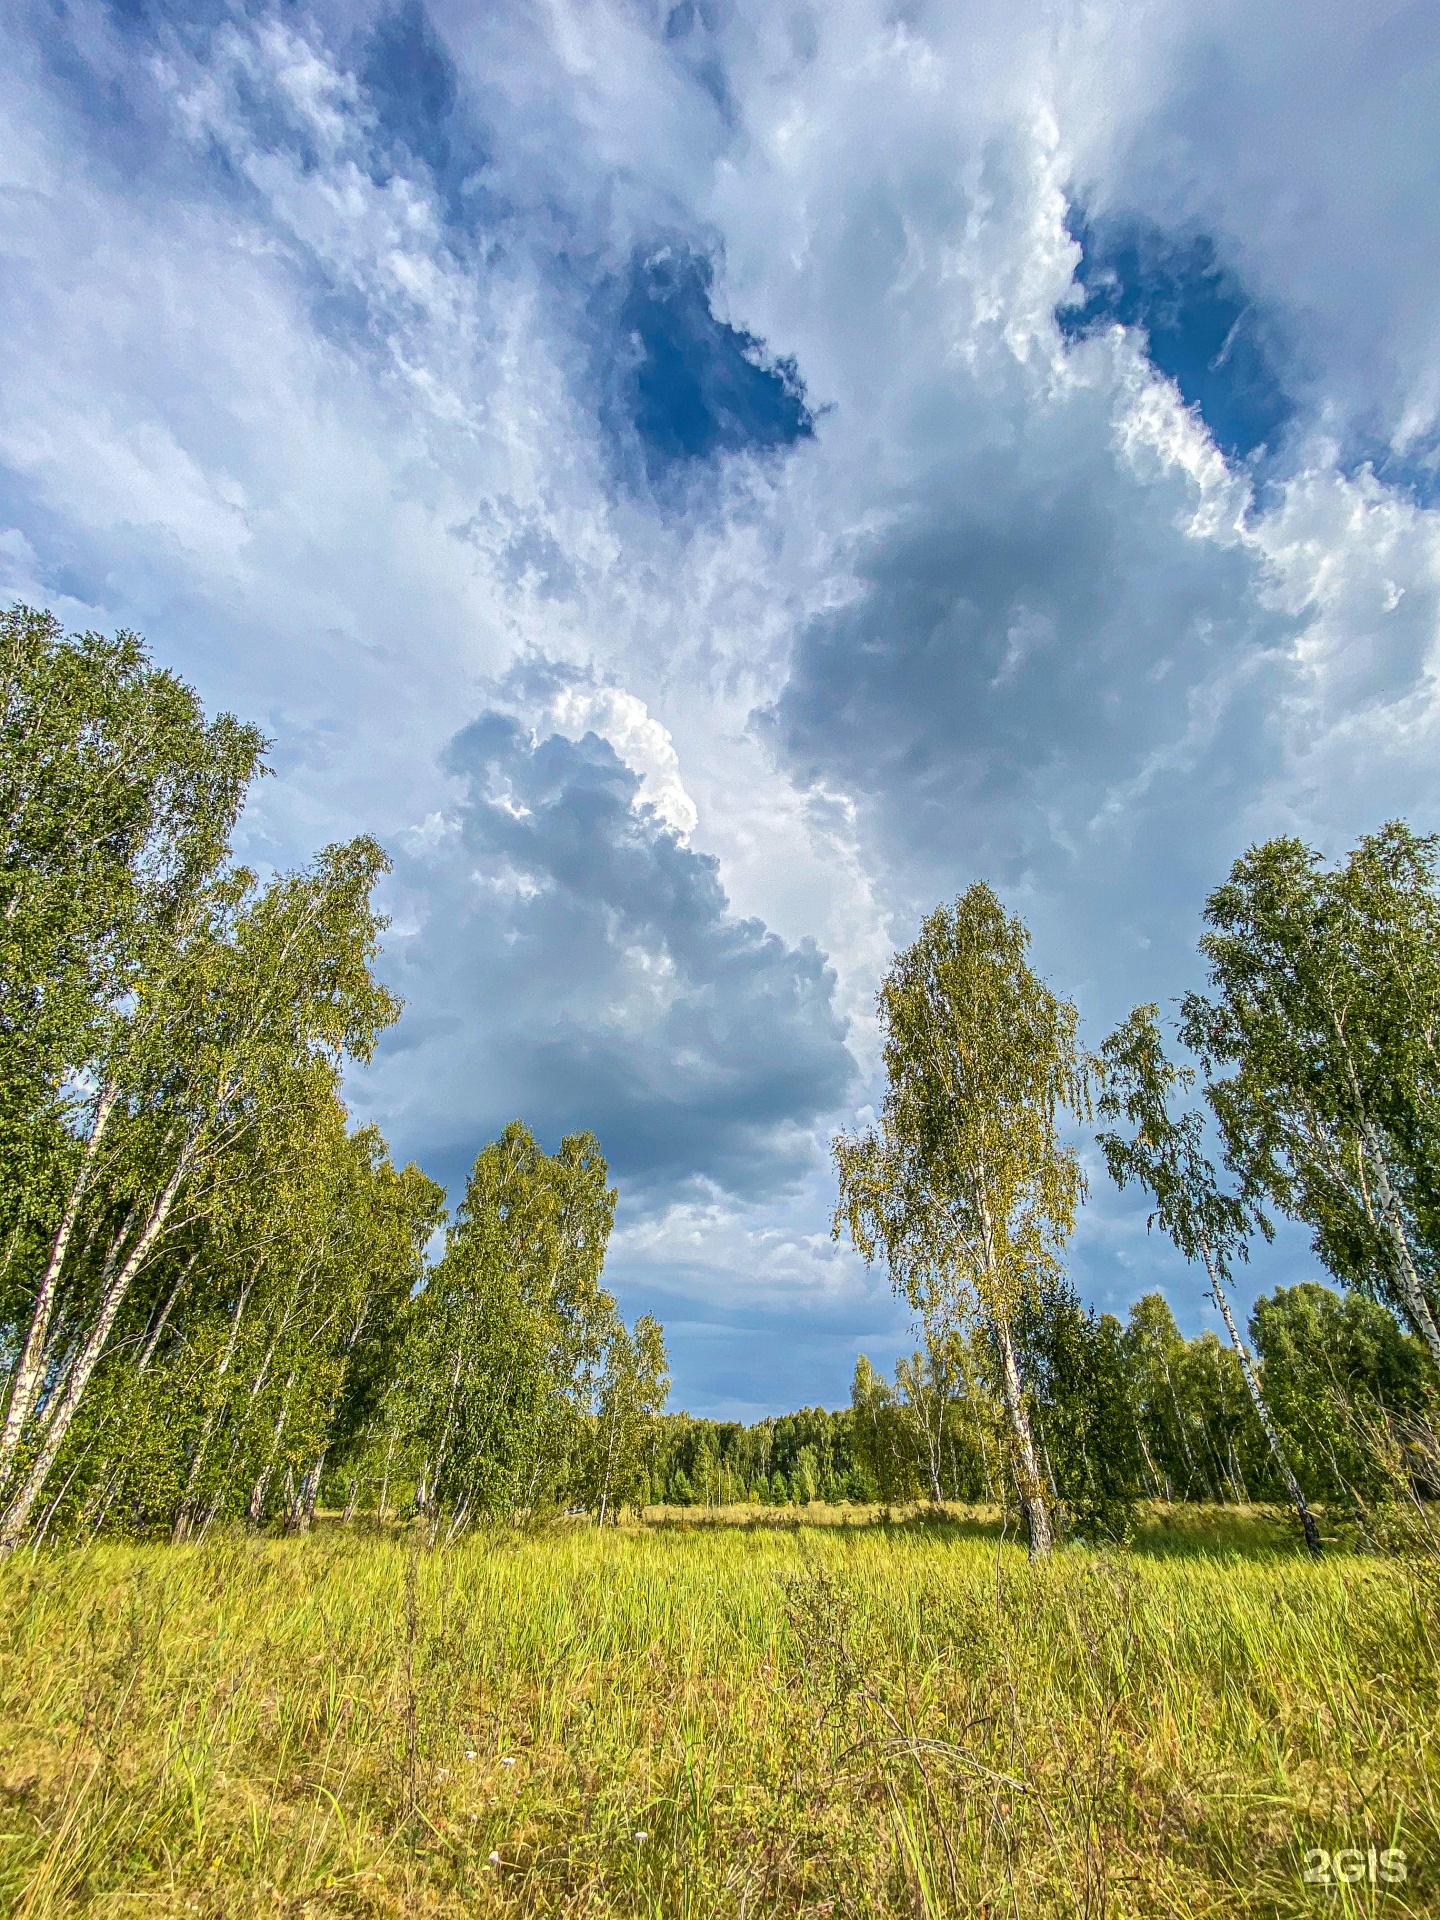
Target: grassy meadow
{"points": [[710, 1720]]}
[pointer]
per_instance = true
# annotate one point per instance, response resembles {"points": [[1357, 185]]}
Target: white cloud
{"points": [[639, 739]]}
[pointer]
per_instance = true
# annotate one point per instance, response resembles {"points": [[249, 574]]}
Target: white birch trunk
{"points": [[303, 1515], [1030, 1486], [1252, 1382], [439, 1460], [30, 1368], [185, 1513], [1407, 1280], [255, 1506], [59, 1417], [153, 1337]]}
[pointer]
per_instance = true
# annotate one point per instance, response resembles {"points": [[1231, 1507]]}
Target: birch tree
{"points": [[503, 1346], [1164, 1155], [1324, 1005], [251, 1005], [117, 799], [630, 1394], [1338, 1370], [390, 1216], [1075, 1363], [965, 1187]]}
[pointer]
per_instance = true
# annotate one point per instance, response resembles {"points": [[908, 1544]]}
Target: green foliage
{"points": [[1164, 1156], [616, 1442], [208, 1299], [965, 1188], [1324, 1004], [215, 1302], [1120, 1413], [934, 1433], [1336, 1368], [1085, 1422], [812, 1454], [518, 1388], [117, 799]]}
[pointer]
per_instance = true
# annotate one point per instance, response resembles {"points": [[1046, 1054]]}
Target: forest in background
{"points": [[1121, 1412], [217, 1303]]}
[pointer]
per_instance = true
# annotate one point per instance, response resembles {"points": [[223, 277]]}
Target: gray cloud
{"points": [[579, 964], [1045, 678]]}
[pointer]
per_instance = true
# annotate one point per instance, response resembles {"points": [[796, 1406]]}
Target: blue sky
{"points": [[704, 483]]}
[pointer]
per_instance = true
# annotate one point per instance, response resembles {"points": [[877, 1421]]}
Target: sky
{"points": [[703, 484]]}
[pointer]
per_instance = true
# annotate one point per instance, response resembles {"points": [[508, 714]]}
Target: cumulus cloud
{"points": [[576, 961]]}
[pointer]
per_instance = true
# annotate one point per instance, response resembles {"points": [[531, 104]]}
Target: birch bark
{"points": [[29, 1369], [59, 1418]]}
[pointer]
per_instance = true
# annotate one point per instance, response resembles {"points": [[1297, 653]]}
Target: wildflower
{"points": [[494, 1859], [469, 1753], [642, 1836], [506, 1761]]}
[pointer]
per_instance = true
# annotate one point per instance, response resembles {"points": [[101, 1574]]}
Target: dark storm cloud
{"points": [[699, 1046], [1017, 646]]}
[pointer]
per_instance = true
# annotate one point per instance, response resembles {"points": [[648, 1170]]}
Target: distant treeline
{"points": [[1118, 1411]]}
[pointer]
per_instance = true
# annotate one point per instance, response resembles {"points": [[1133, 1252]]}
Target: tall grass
{"points": [[904, 1720]]}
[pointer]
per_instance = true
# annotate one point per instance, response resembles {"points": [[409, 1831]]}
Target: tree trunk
{"points": [[1027, 1470], [153, 1337], [185, 1512], [1180, 1426], [303, 1516], [439, 1460], [255, 1506], [384, 1500], [59, 1418], [609, 1463], [1151, 1474], [934, 1441], [977, 1414], [1407, 1280], [30, 1368], [1247, 1367], [457, 1521]]}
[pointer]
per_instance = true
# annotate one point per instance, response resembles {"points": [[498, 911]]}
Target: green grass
{"points": [[829, 1720]]}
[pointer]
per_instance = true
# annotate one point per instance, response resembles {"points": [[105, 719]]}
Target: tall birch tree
{"points": [[504, 1345], [117, 799], [965, 1187], [1320, 1031], [1164, 1155], [229, 1028], [630, 1394]]}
